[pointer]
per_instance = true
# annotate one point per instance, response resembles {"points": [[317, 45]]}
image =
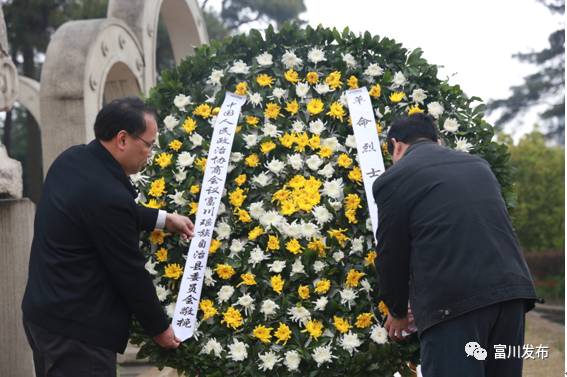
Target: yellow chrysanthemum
{"points": [[336, 111], [378, 127], [237, 197], [153, 203], [315, 106], [370, 257], [247, 279], [277, 283], [325, 152], [334, 80], [292, 107], [255, 233], [364, 320], [193, 207], [264, 80], [315, 142], [194, 189], [287, 207], [303, 292], [291, 76], [243, 215], [272, 110], [157, 237], [241, 88], [287, 140], [312, 77], [353, 278], [189, 125], [414, 110], [301, 141], [201, 163], [224, 271], [293, 246], [215, 244], [273, 242], [383, 308], [252, 160], [215, 110], [352, 82], [281, 195], [173, 271], [397, 96], [322, 286], [232, 318], [318, 245], [352, 203], [355, 175], [161, 254], [344, 160], [314, 328], [252, 120], [240, 180], [375, 91], [163, 159], [267, 146], [208, 309], [341, 324], [204, 110], [263, 333], [283, 333], [339, 235], [175, 145]]}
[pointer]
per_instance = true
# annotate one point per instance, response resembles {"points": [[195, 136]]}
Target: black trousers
{"points": [[444, 350], [57, 356]]}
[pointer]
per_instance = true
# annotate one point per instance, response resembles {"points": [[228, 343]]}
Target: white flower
{"points": [[262, 179], [316, 126], [236, 247], [161, 292], [298, 126], [264, 59], [223, 231], [277, 266], [268, 361], [236, 156], [463, 145], [314, 162], [321, 303], [279, 93], [299, 314], [268, 308], [209, 280], [435, 109], [399, 79], [350, 141], [366, 286], [297, 267], [237, 351], [334, 188], [239, 67], [330, 142], [327, 171], [336, 204], [348, 296], [177, 198], [369, 224], [225, 293], [212, 346], [301, 89], [257, 256], [271, 219], [318, 266], [349, 60], [216, 76], [350, 342], [296, 161], [292, 360], [196, 139], [181, 100], [357, 244], [247, 302], [185, 159], [275, 166], [222, 208], [322, 88], [379, 334], [150, 267], [309, 230], [180, 175], [338, 256], [250, 140], [343, 100], [170, 310], [255, 98], [450, 125], [256, 210], [373, 70], [322, 355], [316, 55], [170, 122], [271, 130], [139, 178], [418, 95], [290, 60], [294, 230]]}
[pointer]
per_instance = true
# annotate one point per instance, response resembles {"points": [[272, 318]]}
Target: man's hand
{"points": [[395, 327], [167, 339], [179, 224]]}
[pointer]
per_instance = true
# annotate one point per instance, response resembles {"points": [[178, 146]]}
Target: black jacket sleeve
{"points": [[147, 218]]}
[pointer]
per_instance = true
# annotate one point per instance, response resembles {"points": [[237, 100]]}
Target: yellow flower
{"points": [[336, 111], [255, 233], [224, 271], [216, 110], [364, 320], [375, 91], [264, 80], [163, 159], [297, 181], [157, 237], [203, 110], [152, 203], [355, 175], [161, 254], [277, 283], [352, 203], [215, 244], [283, 333], [208, 309], [193, 207], [287, 140], [175, 145], [352, 82], [339, 235], [397, 96], [252, 160], [194, 189], [273, 242], [325, 152], [301, 141], [291, 76], [247, 279], [303, 292], [322, 286], [312, 77], [370, 257], [240, 180], [272, 110], [241, 88], [293, 246], [414, 109], [318, 245], [385, 149], [237, 197], [353, 278], [201, 163], [267, 146], [315, 106], [243, 215], [281, 195], [341, 324], [263, 333], [292, 107], [314, 328], [173, 271], [232, 318], [287, 208], [334, 80], [315, 142], [344, 160], [378, 128], [252, 120], [383, 308], [189, 125]]}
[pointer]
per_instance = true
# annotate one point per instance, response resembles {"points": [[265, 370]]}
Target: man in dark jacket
{"points": [[86, 272], [445, 242]]}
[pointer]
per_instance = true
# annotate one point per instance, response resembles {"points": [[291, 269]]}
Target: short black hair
{"points": [[126, 113], [412, 128]]}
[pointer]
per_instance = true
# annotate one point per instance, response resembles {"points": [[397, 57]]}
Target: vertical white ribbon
{"points": [[367, 144], [185, 317]]}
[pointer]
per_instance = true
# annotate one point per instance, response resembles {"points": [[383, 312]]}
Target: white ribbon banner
{"points": [[367, 144], [185, 317]]}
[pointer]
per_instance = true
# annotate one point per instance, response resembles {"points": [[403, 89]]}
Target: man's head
{"points": [[406, 131], [127, 128]]}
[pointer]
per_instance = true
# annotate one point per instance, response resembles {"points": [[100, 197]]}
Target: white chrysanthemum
{"points": [[314, 162], [150, 267], [271, 130], [161, 292], [277, 266], [331, 142], [336, 204], [237, 351], [268, 361], [369, 224], [239, 67], [279, 93], [343, 100], [316, 55], [236, 157], [196, 140], [268, 308], [316, 126], [356, 245], [348, 296], [264, 59], [322, 355], [328, 171], [223, 230], [290, 60], [262, 179], [250, 139], [321, 303], [450, 125], [350, 141], [379, 334], [399, 79], [418, 96], [255, 98], [301, 89], [177, 198], [170, 310], [463, 145], [373, 70], [216, 76], [334, 189], [139, 178], [236, 247], [257, 256], [256, 210], [366, 287], [222, 209], [271, 219], [435, 109], [350, 342], [299, 314], [338, 256], [212, 346], [209, 280], [247, 302], [297, 267], [181, 100], [349, 60], [293, 230], [319, 266], [180, 175], [170, 122], [322, 88], [292, 360], [298, 126], [309, 230], [275, 166], [225, 293], [296, 161]]}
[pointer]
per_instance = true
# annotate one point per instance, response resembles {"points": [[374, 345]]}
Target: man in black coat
{"points": [[86, 272], [445, 242]]}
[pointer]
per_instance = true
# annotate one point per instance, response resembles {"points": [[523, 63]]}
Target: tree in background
{"points": [[543, 89]]}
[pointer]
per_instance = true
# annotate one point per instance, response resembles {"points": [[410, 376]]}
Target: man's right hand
{"points": [[167, 339]]}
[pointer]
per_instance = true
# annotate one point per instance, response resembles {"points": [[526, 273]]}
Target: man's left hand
{"points": [[395, 326], [179, 224]]}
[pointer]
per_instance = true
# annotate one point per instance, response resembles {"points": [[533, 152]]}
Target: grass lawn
{"points": [[540, 331]]}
